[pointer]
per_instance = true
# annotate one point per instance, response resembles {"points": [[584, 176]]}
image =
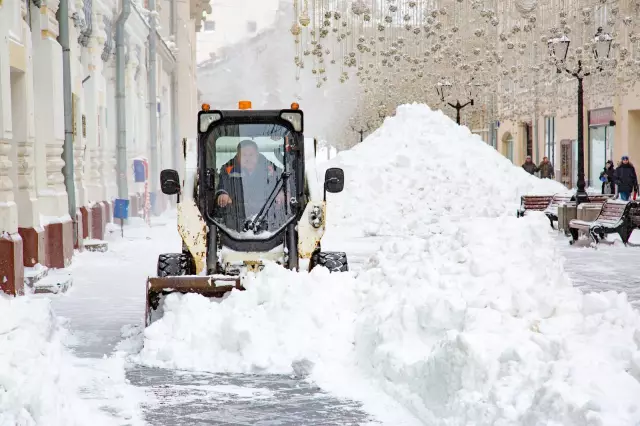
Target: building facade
{"points": [[611, 119], [36, 225], [609, 133]]}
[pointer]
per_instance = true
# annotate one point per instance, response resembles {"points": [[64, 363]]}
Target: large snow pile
{"points": [[420, 166], [468, 318], [40, 380]]}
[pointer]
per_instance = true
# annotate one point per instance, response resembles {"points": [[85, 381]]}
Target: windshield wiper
{"points": [[254, 225]]}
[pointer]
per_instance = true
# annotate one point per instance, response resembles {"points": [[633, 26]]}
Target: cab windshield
{"points": [[250, 168]]}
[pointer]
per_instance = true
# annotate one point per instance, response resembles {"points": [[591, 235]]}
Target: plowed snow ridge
{"points": [[471, 319]]}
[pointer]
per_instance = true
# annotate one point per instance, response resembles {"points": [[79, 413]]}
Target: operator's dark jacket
{"points": [[626, 178], [248, 192]]}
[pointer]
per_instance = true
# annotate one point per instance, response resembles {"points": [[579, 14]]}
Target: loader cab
{"points": [[245, 174], [251, 176]]}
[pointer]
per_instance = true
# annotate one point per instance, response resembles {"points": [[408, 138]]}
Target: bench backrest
{"points": [[612, 211], [535, 202], [634, 213], [601, 198], [560, 199]]}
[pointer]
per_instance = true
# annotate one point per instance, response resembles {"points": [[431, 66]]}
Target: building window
{"points": [[528, 134], [508, 148], [550, 139], [252, 26], [209, 25]]}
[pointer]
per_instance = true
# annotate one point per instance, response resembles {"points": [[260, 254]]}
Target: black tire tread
{"points": [[174, 264], [334, 261]]}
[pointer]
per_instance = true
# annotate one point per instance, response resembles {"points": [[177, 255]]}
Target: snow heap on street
{"points": [[40, 380], [467, 318], [420, 167]]}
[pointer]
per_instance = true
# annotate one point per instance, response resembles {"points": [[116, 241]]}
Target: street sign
{"points": [[121, 209], [139, 171]]}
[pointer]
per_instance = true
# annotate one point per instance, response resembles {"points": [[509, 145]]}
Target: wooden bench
{"points": [[614, 217], [536, 203], [552, 209]]}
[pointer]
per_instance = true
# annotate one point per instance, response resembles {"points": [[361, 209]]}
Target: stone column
{"points": [[48, 91], [31, 231], [11, 259], [79, 153], [133, 123], [111, 132], [93, 160]]}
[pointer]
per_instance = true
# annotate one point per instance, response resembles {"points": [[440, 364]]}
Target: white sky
{"points": [[231, 18]]}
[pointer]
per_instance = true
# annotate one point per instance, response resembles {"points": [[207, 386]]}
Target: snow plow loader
{"points": [[249, 194]]}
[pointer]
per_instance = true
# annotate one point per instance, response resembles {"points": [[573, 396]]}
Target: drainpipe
{"points": [[535, 132], [121, 123], [153, 103], [175, 130], [67, 148]]}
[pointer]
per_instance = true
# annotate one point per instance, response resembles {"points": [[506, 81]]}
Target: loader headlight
{"points": [[293, 117], [316, 216], [205, 120]]}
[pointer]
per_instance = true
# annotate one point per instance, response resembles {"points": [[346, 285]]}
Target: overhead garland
{"points": [[494, 51]]}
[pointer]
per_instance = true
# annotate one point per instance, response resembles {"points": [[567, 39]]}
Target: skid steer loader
{"points": [[249, 194]]}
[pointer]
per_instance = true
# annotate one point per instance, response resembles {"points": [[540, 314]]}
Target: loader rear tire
{"points": [[174, 264], [334, 261]]}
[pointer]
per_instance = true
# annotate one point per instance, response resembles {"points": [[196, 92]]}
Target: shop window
{"points": [[600, 142], [550, 139]]}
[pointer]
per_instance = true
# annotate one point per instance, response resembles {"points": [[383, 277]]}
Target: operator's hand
{"points": [[280, 198], [224, 200]]}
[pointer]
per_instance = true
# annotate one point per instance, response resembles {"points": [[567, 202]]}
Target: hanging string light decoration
{"points": [[494, 51]]}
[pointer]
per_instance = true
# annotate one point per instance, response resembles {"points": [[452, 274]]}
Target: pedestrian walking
{"points": [[529, 166], [607, 178], [546, 169], [626, 178]]}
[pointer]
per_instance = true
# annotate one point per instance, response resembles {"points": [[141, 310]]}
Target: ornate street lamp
{"points": [[558, 49], [360, 126], [602, 42], [442, 89]]}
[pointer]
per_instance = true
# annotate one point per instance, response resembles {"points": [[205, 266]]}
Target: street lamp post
{"points": [[558, 48], [441, 88], [360, 132], [458, 107]]}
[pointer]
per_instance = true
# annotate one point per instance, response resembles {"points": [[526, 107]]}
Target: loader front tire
{"points": [[174, 264], [334, 261]]}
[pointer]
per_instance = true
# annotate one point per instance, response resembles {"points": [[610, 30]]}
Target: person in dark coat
{"points": [[626, 178], [245, 184], [607, 178], [546, 169], [529, 166]]}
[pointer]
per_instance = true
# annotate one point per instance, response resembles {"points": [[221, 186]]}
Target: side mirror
{"points": [[333, 180], [169, 182]]}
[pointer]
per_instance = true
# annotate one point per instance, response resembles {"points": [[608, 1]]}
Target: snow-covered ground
{"points": [[43, 383], [455, 312], [470, 317]]}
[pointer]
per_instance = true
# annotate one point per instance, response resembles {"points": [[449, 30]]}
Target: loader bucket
{"points": [[207, 286]]}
